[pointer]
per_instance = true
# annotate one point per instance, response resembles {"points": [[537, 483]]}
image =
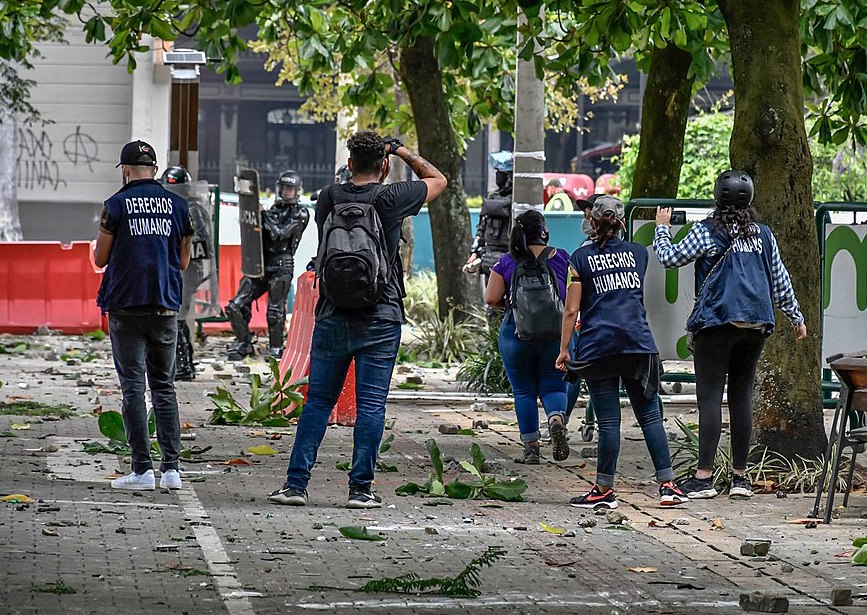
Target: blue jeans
{"points": [[336, 341], [605, 394], [144, 344], [574, 388], [531, 369]]}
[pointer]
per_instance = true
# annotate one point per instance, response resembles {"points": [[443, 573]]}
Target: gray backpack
{"points": [[352, 263], [535, 300]]}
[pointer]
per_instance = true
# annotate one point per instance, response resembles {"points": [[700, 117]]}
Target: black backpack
{"points": [[535, 300], [352, 263]]}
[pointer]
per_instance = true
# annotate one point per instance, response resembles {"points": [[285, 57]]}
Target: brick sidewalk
{"points": [[128, 553]]}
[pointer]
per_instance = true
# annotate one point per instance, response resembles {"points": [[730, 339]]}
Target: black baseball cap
{"points": [[137, 154]]}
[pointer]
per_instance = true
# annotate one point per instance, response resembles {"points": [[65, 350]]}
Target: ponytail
{"points": [[607, 226], [529, 230], [742, 220]]}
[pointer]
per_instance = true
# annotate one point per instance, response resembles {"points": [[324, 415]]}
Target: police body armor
{"points": [[495, 219]]}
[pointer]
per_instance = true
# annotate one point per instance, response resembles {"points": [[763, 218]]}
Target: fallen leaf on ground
{"points": [[187, 425], [645, 569], [359, 532], [717, 524], [237, 462], [17, 498], [20, 426], [846, 554], [262, 449], [47, 531], [552, 529]]}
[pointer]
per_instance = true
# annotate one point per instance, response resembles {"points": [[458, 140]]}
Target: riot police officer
{"points": [[495, 218], [178, 180], [282, 227]]}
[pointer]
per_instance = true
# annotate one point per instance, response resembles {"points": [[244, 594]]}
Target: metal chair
{"points": [[849, 427]]}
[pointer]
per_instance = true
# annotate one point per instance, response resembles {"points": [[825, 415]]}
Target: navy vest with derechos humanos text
{"points": [[613, 317], [148, 224], [740, 290]]}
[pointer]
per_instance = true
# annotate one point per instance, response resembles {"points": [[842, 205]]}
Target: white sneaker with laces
{"points": [[170, 479], [135, 482]]}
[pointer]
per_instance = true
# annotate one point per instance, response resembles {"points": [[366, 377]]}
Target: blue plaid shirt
{"points": [[698, 243]]}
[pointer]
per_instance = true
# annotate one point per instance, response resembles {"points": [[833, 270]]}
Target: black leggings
{"points": [[721, 351]]}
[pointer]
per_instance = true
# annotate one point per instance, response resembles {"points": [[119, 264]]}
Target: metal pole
{"points": [[529, 152]]}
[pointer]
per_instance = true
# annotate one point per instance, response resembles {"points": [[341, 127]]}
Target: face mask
{"points": [[586, 227]]}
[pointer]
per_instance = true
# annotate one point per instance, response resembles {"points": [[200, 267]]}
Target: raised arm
{"points": [[696, 244], [426, 172]]}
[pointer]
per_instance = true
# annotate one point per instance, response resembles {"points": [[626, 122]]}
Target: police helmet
{"points": [[733, 190], [175, 175], [289, 179], [343, 175]]}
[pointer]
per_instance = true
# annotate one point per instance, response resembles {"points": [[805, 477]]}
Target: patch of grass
{"points": [[25, 407], [58, 587]]}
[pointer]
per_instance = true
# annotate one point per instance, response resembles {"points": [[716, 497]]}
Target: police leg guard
{"points": [[278, 291], [243, 347], [184, 368]]}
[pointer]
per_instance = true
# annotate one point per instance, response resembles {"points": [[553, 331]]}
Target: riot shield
{"points": [[201, 292], [250, 218]]}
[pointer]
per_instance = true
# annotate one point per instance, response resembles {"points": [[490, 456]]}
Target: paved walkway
{"points": [[218, 546]]}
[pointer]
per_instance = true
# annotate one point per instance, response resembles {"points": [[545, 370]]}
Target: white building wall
{"points": [[66, 168]]}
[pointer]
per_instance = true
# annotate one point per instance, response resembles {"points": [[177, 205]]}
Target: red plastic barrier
{"points": [[48, 283], [579, 186], [296, 356], [605, 184], [230, 278]]}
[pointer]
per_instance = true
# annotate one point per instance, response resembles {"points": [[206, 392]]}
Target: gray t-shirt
{"points": [[395, 202]]}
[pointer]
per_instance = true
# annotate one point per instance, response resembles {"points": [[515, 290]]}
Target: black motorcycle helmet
{"points": [[175, 175], [289, 179], [733, 190], [343, 175]]}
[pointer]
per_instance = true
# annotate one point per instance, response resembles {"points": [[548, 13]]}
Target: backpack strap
{"points": [[544, 255]]}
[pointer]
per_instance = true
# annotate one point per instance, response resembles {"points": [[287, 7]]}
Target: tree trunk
{"points": [[770, 143], [664, 111], [10, 224], [449, 216]]}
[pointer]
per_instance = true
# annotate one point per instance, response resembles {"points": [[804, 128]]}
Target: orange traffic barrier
{"points": [[230, 279], [51, 284], [296, 356]]}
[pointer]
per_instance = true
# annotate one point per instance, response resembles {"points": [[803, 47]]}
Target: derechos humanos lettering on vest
{"points": [[617, 279], [149, 225]]}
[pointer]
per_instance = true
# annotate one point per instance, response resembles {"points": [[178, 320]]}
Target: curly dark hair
{"points": [[737, 222], [366, 149]]}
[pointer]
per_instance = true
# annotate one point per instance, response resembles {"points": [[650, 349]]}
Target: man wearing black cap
{"points": [[144, 244]]}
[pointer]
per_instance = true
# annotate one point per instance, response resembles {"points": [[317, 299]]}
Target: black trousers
{"points": [[723, 351]]}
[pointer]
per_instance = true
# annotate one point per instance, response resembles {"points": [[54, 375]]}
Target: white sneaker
{"points": [[135, 482], [170, 479]]}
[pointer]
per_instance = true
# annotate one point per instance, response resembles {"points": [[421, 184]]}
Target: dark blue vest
{"points": [[613, 318], [149, 223], [741, 287]]}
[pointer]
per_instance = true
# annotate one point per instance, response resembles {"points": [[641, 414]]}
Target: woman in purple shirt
{"points": [[530, 364]]}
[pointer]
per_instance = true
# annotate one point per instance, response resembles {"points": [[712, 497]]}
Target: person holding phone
{"points": [[739, 280]]}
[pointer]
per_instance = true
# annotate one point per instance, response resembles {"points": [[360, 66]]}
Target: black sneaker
{"points": [[530, 456], [699, 488], [671, 495], [558, 440], [288, 496], [362, 497], [595, 499], [741, 487]]}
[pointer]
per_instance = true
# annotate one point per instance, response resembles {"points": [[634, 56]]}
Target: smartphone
{"points": [[678, 218]]}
